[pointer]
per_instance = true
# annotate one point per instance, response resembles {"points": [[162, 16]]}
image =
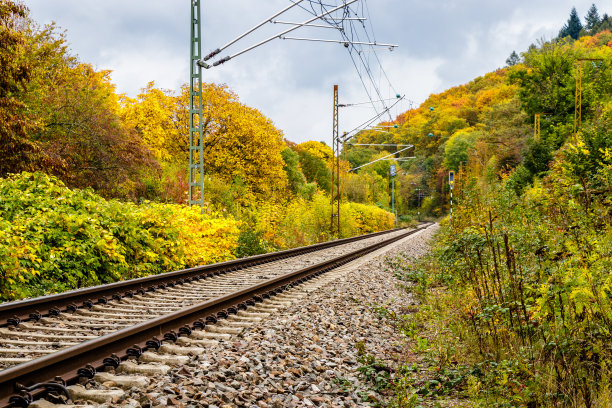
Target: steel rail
{"points": [[66, 363], [33, 309]]}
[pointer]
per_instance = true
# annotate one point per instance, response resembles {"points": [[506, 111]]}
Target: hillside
{"points": [[516, 299]]}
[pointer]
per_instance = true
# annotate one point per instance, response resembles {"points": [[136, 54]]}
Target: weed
{"points": [[374, 371], [422, 345], [344, 384]]}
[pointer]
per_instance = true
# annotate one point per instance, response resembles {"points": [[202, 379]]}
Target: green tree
{"points": [[315, 170], [358, 156], [294, 175], [592, 19], [513, 59], [572, 27], [537, 157], [547, 84], [458, 148], [606, 23]]}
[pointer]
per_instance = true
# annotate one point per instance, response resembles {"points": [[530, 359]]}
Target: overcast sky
{"points": [[441, 44]]}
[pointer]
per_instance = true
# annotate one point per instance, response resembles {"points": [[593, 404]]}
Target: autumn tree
{"points": [[238, 141], [17, 151], [153, 115], [80, 129], [504, 136], [59, 115]]}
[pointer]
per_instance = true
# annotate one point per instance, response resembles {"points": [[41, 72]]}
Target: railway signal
{"points": [[451, 184], [393, 173]]}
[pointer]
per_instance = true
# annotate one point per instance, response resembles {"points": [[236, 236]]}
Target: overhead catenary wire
{"points": [[225, 59], [347, 105], [350, 35], [382, 158], [218, 50], [337, 41], [349, 23], [303, 25], [349, 135], [378, 144]]}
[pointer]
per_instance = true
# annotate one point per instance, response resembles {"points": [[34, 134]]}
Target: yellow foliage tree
{"points": [[240, 144], [317, 149], [153, 114]]}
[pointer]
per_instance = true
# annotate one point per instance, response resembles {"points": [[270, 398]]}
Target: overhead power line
{"points": [[339, 41], [349, 135], [218, 50], [382, 158], [225, 59]]}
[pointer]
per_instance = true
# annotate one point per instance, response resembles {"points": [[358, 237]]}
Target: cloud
{"points": [[442, 44]]}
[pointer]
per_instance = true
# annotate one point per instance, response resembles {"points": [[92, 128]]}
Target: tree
{"points": [[153, 115], [547, 84], [83, 134], [572, 27], [592, 19], [239, 142], [60, 116], [513, 59], [537, 157], [315, 170], [17, 152], [359, 155], [294, 175], [458, 149]]}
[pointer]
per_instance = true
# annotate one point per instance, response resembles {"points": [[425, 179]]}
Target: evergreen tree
{"points": [[572, 27], [592, 19], [606, 23], [513, 59]]}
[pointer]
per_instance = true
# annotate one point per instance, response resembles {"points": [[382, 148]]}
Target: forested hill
{"points": [[488, 124], [516, 298]]}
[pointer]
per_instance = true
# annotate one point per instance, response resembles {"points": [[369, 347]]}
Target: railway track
{"points": [[47, 343]]}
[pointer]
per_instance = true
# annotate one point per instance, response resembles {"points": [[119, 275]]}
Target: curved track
{"points": [[79, 341]]}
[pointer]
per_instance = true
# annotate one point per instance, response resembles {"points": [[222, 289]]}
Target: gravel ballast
{"points": [[305, 352]]}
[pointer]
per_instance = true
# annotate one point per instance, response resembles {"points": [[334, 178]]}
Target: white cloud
{"points": [[442, 44]]}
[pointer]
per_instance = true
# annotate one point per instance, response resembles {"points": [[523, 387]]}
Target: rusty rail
{"points": [[66, 363], [33, 309]]}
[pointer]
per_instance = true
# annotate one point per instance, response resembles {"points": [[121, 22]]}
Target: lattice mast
{"points": [[578, 100], [196, 142], [335, 188]]}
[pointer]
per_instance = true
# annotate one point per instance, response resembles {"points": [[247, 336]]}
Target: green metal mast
{"points": [[196, 142], [335, 176]]}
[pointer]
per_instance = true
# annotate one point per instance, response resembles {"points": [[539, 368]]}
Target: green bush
{"points": [[53, 238]]}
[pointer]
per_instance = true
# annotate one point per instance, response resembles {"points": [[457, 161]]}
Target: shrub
{"points": [[53, 238]]}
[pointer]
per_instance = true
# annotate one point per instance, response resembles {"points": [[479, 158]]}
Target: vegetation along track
{"points": [[129, 318]]}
